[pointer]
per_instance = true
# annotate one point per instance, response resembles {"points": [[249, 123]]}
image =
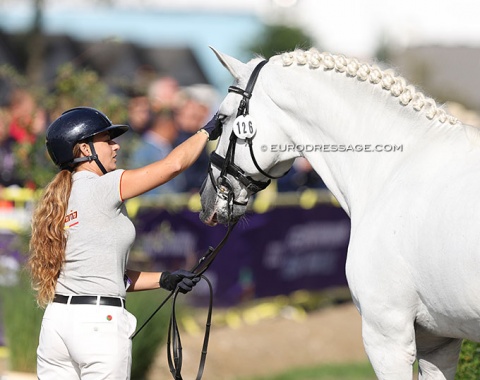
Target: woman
{"points": [[81, 237]]}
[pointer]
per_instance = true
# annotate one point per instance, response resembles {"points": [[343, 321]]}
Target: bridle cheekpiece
{"points": [[226, 165]]}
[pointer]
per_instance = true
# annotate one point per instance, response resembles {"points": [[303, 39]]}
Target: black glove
{"points": [[185, 280], [214, 128]]}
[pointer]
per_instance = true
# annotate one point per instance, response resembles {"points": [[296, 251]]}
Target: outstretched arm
{"points": [[138, 181]]}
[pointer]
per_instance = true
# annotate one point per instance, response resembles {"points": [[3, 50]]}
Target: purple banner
{"points": [[275, 253]]}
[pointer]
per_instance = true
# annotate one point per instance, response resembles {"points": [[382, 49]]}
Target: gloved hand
{"points": [[184, 279], [214, 128]]}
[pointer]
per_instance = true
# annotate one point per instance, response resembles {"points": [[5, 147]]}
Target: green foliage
{"points": [[469, 363], [74, 87], [12, 77], [22, 320], [147, 342], [276, 39], [36, 168]]}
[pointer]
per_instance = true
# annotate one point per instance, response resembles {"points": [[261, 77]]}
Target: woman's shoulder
{"points": [[101, 187], [88, 175]]}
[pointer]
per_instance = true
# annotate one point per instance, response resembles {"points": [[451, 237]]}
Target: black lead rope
{"points": [[174, 345]]}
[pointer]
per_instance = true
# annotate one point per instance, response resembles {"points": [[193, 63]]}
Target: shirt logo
{"points": [[71, 219]]}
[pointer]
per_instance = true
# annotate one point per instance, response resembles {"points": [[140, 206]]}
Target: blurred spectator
{"points": [[300, 177], [195, 110], [148, 96], [163, 93], [22, 111], [26, 127], [139, 120], [139, 109], [155, 144], [8, 165], [34, 166], [139, 113]]}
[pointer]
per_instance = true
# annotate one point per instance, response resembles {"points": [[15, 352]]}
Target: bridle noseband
{"points": [[226, 164]]}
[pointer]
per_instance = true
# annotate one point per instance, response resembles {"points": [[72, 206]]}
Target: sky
{"points": [[352, 27]]}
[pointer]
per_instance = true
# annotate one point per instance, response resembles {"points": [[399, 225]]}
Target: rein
{"points": [[174, 344], [224, 190]]}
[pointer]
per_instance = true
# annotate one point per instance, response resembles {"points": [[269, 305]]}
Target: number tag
{"points": [[243, 127]]}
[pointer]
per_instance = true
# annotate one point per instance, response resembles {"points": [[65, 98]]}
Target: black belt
{"points": [[89, 300]]}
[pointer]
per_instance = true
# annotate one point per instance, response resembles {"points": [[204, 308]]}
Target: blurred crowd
{"points": [[160, 117]]}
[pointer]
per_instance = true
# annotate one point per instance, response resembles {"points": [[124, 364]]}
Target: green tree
{"points": [[275, 39], [469, 363]]}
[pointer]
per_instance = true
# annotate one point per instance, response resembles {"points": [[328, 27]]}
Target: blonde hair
{"points": [[48, 240], [385, 79]]}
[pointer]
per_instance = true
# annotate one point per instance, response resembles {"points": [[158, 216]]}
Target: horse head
{"points": [[243, 163]]}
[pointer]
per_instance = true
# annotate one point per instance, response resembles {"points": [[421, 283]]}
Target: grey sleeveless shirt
{"points": [[99, 237]]}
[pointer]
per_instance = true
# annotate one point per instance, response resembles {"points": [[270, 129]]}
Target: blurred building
{"points": [[117, 62], [447, 73], [114, 39]]}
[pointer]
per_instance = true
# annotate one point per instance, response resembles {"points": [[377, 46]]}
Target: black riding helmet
{"points": [[74, 125]]}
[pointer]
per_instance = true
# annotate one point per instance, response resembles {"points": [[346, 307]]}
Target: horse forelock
{"points": [[387, 80]]}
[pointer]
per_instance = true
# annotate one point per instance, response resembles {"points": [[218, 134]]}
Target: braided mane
{"points": [[387, 80]]}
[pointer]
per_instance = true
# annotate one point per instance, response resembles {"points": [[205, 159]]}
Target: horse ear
{"points": [[234, 66]]}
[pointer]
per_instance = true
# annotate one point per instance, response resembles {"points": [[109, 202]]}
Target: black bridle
{"points": [[226, 165]]}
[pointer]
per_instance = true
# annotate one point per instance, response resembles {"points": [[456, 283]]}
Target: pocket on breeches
{"points": [[97, 330], [101, 343], [132, 323]]}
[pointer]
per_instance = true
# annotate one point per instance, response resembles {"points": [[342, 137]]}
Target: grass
{"points": [[22, 319], [146, 345], [356, 371]]}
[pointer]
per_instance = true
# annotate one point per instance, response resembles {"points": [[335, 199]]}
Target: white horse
{"points": [[405, 171]]}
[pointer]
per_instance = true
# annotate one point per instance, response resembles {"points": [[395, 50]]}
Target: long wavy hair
{"points": [[48, 240]]}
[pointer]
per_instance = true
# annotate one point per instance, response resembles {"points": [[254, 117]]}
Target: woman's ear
{"points": [[85, 149]]}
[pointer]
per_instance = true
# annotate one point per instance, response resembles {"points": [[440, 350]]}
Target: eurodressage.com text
{"points": [[332, 148]]}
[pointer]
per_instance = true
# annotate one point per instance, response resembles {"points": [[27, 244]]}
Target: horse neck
{"points": [[334, 111]]}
